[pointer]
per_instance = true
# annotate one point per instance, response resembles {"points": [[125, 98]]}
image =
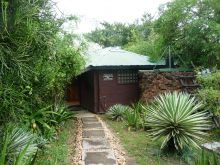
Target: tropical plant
{"points": [[17, 146], [206, 158], [45, 121], [62, 114], [135, 116], [40, 119], [176, 118], [117, 112], [131, 120]]}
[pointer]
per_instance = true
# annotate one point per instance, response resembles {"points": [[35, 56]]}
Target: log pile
{"points": [[154, 83]]}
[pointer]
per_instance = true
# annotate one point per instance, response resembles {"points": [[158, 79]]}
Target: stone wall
{"points": [[153, 83]]}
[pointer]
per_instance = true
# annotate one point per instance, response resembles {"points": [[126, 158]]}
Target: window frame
{"points": [[125, 77]]}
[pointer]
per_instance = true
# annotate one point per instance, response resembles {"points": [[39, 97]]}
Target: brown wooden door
{"points": [[73, 97]]}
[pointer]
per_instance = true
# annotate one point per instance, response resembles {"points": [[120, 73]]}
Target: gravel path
{"points": [[95, 143]]}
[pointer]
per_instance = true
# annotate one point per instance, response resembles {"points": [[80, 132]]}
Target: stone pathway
{"points": [[96, 149]]}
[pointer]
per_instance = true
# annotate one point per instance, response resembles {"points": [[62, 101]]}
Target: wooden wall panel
{"points": [[111, 92]]}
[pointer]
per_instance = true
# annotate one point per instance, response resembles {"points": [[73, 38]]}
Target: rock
{"points": [[212, 146], [152, 84]]}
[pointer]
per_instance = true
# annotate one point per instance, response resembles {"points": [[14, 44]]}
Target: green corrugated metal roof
{"points": [[116, 57]]}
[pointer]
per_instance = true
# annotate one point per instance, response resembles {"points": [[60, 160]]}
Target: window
{"points": [[127, 77]]}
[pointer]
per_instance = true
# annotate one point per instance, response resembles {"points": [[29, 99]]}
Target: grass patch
{"points": [[57, 152], [141, 147]]}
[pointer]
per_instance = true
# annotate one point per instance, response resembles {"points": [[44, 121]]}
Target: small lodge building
{"points": [[110, 77]]}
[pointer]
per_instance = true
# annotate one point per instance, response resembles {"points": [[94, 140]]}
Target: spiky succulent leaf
{"points": [[19, 141], [176, 116], [117, 112]]}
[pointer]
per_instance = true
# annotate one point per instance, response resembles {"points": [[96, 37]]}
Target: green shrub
{"points": [[210, 92], [135, 116], [40, 120], [130, 118], [62, 115], [176, 118], [38, 59], [211, 100], [211, 80], [117, 112], [45, 120]]}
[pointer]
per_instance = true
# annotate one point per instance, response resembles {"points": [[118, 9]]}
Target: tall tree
{"points": [[192, 28], [116, 34]]}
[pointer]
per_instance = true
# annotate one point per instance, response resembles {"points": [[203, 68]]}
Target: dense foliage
{"points": [[134, 115], [190, 27], [116, 34], [210, 91], [37, 60], [176, 118], [121, 34]]}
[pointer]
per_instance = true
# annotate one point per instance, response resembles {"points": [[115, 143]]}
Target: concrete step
{"points": [[98, 158], [93, 134], [89, 119], [95, 143], [93, 125]]}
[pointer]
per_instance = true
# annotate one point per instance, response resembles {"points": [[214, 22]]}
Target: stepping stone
{"points": [[82, 114], [99, 158], [101, 143], [93, 133], [89, 119], [92, 125]]}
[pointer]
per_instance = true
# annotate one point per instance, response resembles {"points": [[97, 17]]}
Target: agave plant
{"points": [[17, 146], [117, 112], [177, 118]]}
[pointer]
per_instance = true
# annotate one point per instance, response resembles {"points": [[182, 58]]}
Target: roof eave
{"points": [[136, 67]]}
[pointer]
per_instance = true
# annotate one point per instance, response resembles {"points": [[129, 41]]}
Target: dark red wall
{"points": [[110, 92], [97, 94]]}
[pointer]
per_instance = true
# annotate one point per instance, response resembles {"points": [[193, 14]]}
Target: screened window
{"points": [[127, 77]]}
